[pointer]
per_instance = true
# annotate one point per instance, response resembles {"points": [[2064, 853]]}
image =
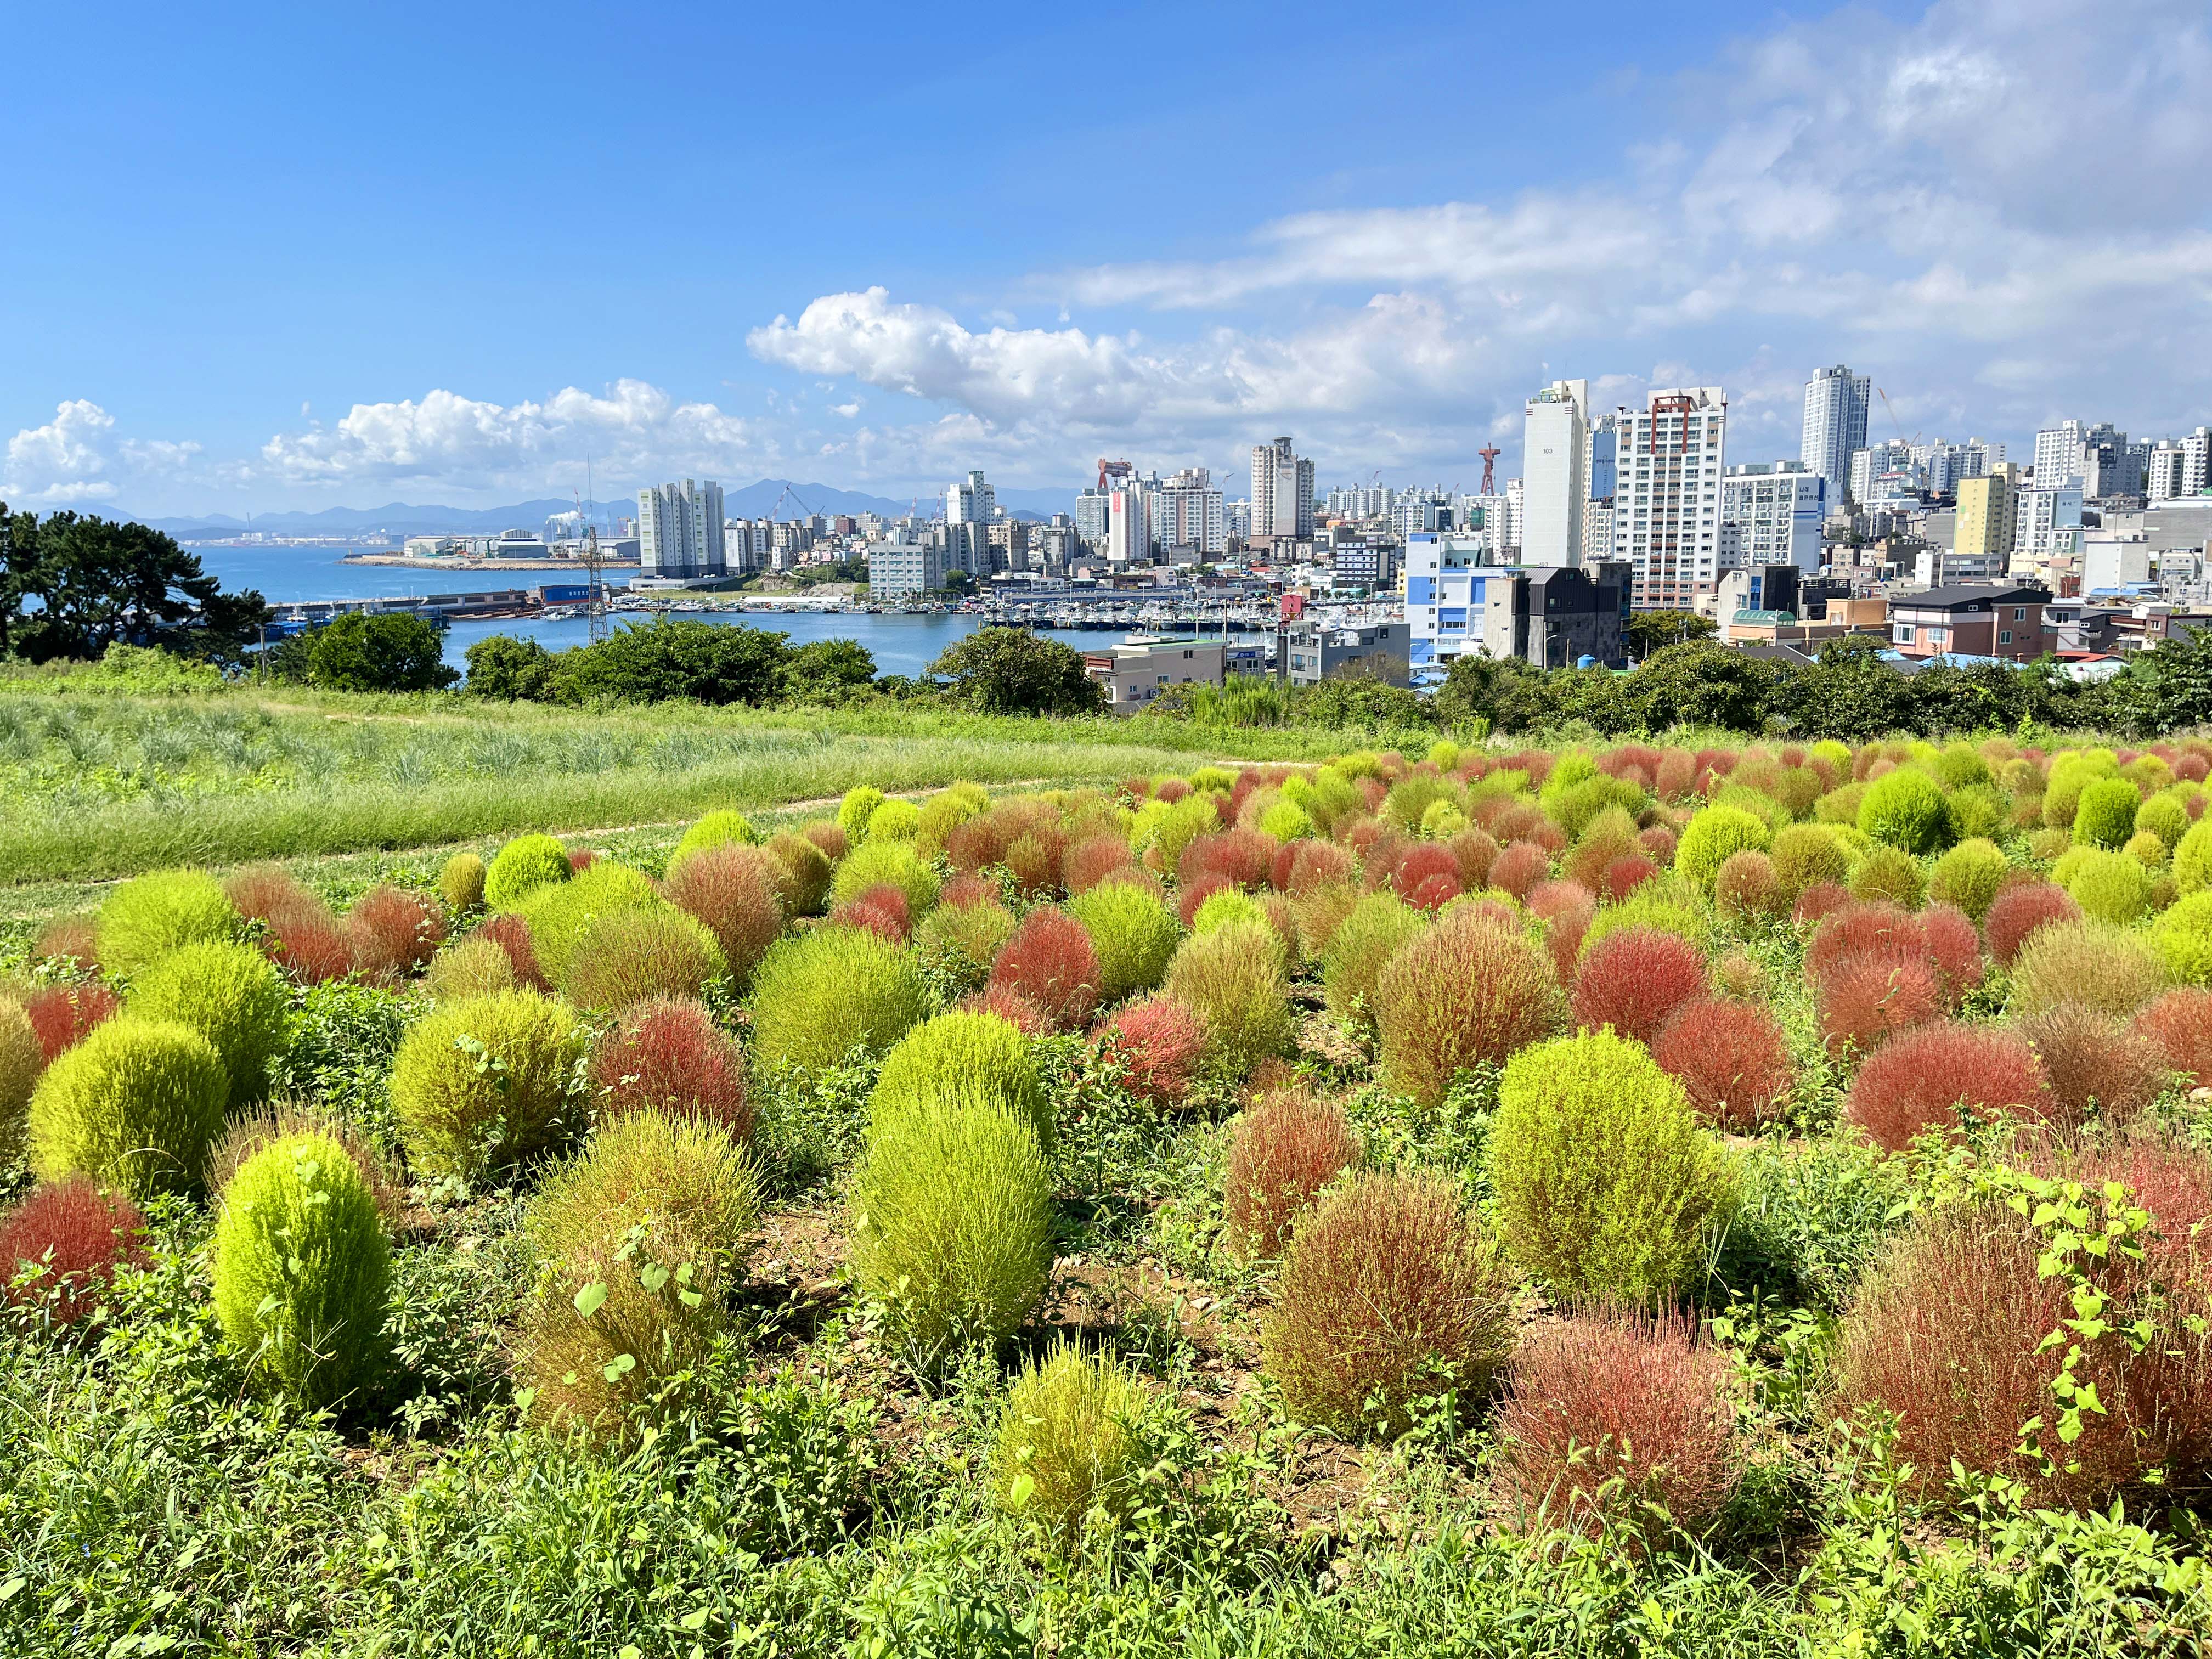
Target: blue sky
{"points": [[268, 257]]}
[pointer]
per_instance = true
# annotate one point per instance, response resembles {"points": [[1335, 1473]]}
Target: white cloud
{"points": [[63, 461]]}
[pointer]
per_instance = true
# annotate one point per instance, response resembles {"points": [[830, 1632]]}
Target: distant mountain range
{"points": [[781, 496]]}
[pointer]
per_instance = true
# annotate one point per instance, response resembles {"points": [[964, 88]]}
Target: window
{"points": [[2004, 636], [1904, 633], [2020, 613]]}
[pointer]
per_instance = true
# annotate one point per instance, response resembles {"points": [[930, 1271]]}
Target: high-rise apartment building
{"points": [[2177, 468], [1187, 515], [1282, 493], [1128, 525], [1885, 471], [1835, 425], [1092, 508], [2058, 455], [2110, 465], [1984, 525], [680, 530], [1555, 473], [1666, 504], [2049, 520], [1773, 511], [970, 501], [1604, 433]]}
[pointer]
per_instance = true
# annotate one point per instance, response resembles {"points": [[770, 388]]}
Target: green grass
{"points": [[96, 785]]}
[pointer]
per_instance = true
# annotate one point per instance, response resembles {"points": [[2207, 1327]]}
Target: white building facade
{"points": [[1773, 511], [1447, 575], [1187, 513], [1555, 473], [2058, 455], [970, 501], [1666, 501], [680, 530], [1282, 492], [1835, 425]]}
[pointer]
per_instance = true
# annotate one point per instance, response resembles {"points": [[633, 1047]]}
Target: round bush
{"points": [[2179, 1023], [251, 1131], [668, 1056], [1467, 992], [953, 1226], [22, 1057], [650, 1169], [735, 890], [77, 1236], [1389, 1295], [1713, 837], [1159, 1045], [461, 882], [945, 811], [1865, 997], [2018, 911], [975, 1055], [1604, 1181], [1068, 1444], [2183, 934], [1050, 961], [230, 995], [302, 1268], [887, 863], [525, 864], [819, 996], [895, 820], [959, 942], [1133, 934], [1223, 906], [2095, 1065], [628, 956], [135, 1105], [1283, 1149], [152, 915], [391, 934], [2090, 963], [2105, 816], [1749, 888], [1906, 810], [1233, 979], [856, 809], [1886, 876], [559, 913], [803, 875], [1731, 1058], [1633, 979], [2108, 886], [1614, 1414], [722, 828], [481, 1082], [1937, 1076], [2165, 816], [1971, 876]]}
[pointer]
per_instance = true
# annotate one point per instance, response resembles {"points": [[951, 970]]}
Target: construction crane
{"points": [[1490, 453], [1115, 469], [1914, 440], [794, 495]]}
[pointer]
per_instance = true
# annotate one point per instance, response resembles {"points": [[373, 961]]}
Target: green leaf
{"points": [[1024, 1489], [590, 1298]]}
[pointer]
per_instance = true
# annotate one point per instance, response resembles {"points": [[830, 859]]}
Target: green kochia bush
{"points": [[302, 1268], [232, 995], [480, 1082], [22, 1059], [626, 957], [1134, 934], [461, 881], [1069, 1441], [888, 863], [856, 809], [953, 1226], [1970, 876], [819, 995], [717, 828], [1906, 810], [526, 863], [1714, 835], [561, 913], [2105, 816], [1604, 1180], [2192, 858], [975, 1055], [136, 1105], [152, 913]]}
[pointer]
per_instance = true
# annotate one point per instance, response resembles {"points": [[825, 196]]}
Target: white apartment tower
{"points": [[1187, 513], [1835, 425], [2058, 455], [1774, 511], [1554, 474], [1282, 493], [1128, 526], [972, 501], [680, 530], [1666, 501]]}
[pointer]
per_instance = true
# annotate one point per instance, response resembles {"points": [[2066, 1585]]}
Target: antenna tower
{"points": [[1490, 453]]}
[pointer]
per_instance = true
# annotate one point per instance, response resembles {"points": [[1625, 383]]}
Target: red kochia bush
{"points": [[1864, 998], [731, 890], [1050, 961], [2019, 911], [263, 892], [2180, 1024], [1625, 874], [1926, 1079], [1190, 895], [73, 936], [1633, 978], [1011, 1005], [1421, 863], [668, 1054], [969, 889], [2088, 1056], [1614, 1411], [1954, 948], [1307, 864], [882, 909], [580, 860], [1158, 1043], [311, 946], [393, 934], [1567, 909], [1731, 1058], [1747, 886], [81, 1234], [1283, 1150], [62, 1014], [1519, 867], [828, 834], [1856, 930], [1246, 857], [1820, 900], [1089, 862], [512, 935]]}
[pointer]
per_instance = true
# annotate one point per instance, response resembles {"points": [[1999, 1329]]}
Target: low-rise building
{"points": [[1997, 619], [905, 569], [1553, 617], [1134, 671], [1318, 651]]}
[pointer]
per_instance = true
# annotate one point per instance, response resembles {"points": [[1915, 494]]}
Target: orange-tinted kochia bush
{"points": [[1731, 1058], [1284, 1148], [1932, 1077], [1466, 992], [1633, 979]]}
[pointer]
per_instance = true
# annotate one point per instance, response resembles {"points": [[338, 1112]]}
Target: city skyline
{"points": [[387, 304]]}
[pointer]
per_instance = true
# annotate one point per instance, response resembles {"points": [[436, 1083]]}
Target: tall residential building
{"points": [[2049, 520], [1187, 513], [1835, 425], [1128, 525], [2110, 465], [1666, 520], [2058, 455], [1282, 493], [1984, 525], [972, 501], [2179, 467], [1773, 511], [1604, 434], [747, 543], [1555, 473], [680, 530], [1091, 510], [1884, 471]]}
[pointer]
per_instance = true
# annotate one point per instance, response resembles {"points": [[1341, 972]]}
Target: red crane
{"points": [[1490, 453], [1115, 469]]}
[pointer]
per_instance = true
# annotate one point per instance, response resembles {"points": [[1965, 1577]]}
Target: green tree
{"points": [[502, 666], [671, 658], [830, 668], [71, 587], [1011, 671], [389, 650], [2165, 688], [1648, 630]]}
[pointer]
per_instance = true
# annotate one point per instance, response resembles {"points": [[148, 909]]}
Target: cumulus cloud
{"points": [[63, 461]]}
